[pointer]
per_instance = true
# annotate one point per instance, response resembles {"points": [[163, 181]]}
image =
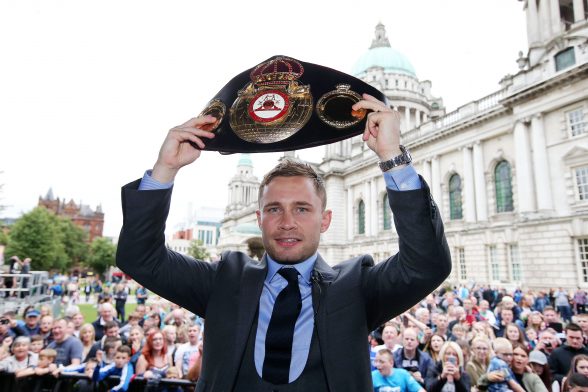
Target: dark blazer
{"points": [[350, 299]]}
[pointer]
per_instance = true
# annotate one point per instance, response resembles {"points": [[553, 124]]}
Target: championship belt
{"points": [[285, 104]]}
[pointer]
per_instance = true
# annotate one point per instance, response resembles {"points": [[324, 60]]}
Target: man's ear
{"points": [[326, 220], [258, 214]]}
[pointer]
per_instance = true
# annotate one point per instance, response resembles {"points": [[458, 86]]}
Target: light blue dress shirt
{"points": [[403, 179]]}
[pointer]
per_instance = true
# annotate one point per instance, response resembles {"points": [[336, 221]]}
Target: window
{"points": [[455, 210], [503, 187], [582, 182], [494, 266], [565, 59], [463, 271], [576, 122], [361, 217], [386, 212], [515, 262], [583, 252]]}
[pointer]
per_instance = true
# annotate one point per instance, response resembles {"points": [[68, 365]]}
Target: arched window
{"points": [[455, 210], [386, 212], [503, 187], [361, 218]]}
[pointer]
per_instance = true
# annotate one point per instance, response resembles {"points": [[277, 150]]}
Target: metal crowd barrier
{"points": [[68, 382]]}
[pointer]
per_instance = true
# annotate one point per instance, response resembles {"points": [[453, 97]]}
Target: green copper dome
{"points": [[245, 160], [381, 54]]}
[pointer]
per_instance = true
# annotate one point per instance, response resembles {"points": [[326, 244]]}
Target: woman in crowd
{"points": [[21, 358], [478, 364], [447, 373], [136, 342], [154, 359], [87, 336], [579, 365], [535, 321], [520, 367], [433, 345], [538, 362], [514, 335]]}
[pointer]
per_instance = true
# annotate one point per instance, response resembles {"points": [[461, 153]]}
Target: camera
{"points": [[547, 344]]}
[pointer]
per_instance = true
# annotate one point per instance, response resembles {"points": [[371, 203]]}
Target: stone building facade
{"points": [[509, 171]]}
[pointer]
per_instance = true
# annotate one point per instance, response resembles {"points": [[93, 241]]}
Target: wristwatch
{"points": [[398, 160]]}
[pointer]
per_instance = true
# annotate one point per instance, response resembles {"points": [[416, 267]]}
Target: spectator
{"points": [[87, 338], [433, 345], [578, 383], [579, 365], [106, 314], [478, 364], [186, 350], [21, 357], [520, 367], [548, 341], [561, 358], [499, 377], [506, 317], [9, 326], [136, 342], [44, 366], [582, 320], [120, 300], [448, 374], [154, 360], [141, 294], [538, 362], [390, 337], [69, 348], [485, 313], [134, 319], [514, 335], [37, 344], [562, 304], [78, 321], [410, 358], [535, 321], [580, 300], [441, 325], [387, 378], [552, 319], [120, 367]]}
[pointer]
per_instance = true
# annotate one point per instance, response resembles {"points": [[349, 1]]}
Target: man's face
{"points": [[409, 340], [506, 315], [112, 331], [20, 350], [106, 313], [291, 219], [467, 305], [46, 323], [442, 321], [550, 316], [389, 334], [574, 339], [484, 306], [120, 359], [58, 330], [194, 334], [384, 363], [36, 346], [583, 323], [548, 341], [32, 321], [78, 320]]}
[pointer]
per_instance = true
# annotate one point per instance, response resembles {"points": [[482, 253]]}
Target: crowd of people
{"points": [[454, 340]]}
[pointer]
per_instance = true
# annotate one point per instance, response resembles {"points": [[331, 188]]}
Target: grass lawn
{"points": [[90, 313]]}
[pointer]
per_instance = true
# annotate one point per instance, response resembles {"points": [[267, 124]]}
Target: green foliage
{"points": [[3, 237], [74, 241], [198, 251], [102, 255], [37, 235]]}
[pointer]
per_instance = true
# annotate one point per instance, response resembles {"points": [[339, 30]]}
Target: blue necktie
{"points": [[280, 332]]}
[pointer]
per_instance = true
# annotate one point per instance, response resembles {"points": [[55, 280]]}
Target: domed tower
{"points": [[391, 72], [243, 186]]}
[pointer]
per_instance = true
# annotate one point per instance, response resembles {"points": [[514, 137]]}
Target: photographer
{"points": [[448, 370]]}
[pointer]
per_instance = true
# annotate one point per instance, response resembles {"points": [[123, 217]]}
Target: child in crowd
{"points": [[44, 366], [120, 367], [37, 344], [111, 344], [499, 375]]}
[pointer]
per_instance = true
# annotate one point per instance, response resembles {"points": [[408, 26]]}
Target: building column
{"points": [[427, 171], [368, 208], [417, 118], [480, 183], [532, 25], [468, 181], [578, 11], [374, 203], [556, 23], [523, 162], [407, 125], [436, 181], [540, 164], [350, 217]]}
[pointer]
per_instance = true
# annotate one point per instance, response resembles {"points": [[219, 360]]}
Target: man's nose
{"points": [[288, 222]]}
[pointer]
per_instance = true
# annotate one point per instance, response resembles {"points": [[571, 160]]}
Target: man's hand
{"points": [[177, 152], [382, 129]]}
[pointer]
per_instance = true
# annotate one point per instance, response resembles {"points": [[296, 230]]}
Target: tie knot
{"points": [[290, 274]]}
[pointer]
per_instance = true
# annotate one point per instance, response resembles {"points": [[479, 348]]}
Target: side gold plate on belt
{"points": [[217, 109], [274, 106], [335, 107]]}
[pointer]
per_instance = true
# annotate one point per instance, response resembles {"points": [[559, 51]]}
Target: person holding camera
{"points": [[448, 373]]}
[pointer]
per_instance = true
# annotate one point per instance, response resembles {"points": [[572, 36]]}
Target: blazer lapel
{"points": [[249, 294]]}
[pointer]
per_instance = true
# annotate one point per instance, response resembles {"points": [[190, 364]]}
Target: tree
{"points": [[74, 241], [36, 235], [198, 251], [102, 254]]}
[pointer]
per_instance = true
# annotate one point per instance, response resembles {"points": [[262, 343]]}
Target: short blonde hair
{"points": [[48, 353], [499, 343], [455, 347]]}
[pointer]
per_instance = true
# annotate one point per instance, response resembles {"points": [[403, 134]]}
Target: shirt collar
{"points": [[304, 268]]}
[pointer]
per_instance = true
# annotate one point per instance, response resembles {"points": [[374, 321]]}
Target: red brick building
{"points": [[91, 221]]}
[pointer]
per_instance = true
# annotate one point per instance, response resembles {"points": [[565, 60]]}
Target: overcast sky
{"points": [[89, 89]]}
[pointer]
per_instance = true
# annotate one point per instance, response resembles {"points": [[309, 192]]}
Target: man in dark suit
{"points": [[247, 340]]}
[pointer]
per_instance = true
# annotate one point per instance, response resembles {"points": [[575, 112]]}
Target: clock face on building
{"points": [[269, 105]]}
